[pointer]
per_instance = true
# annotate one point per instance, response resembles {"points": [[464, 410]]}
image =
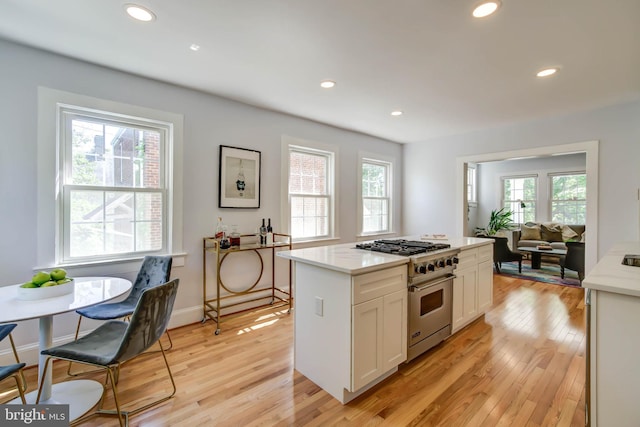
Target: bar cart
{"points": [[212, 307]]}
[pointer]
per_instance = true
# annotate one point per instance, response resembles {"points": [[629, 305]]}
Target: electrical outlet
{"points": [[319, 306]]}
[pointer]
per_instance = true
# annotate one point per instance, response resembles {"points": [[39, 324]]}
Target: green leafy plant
{"points": [[499, 220]]}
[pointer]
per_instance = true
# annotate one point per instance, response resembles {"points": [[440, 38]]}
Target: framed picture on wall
{"points": [[239, 179]]}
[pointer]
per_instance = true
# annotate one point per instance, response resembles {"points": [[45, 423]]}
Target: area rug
{"points": [[549, 273]]}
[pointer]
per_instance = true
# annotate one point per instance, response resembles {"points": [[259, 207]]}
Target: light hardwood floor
{"points": [[522, 364]]}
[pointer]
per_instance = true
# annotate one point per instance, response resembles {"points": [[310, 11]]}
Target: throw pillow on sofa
{"points": [[530, 233], [551, 233], [568, 233]]}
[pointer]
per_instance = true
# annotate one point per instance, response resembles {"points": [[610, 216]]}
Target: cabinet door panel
{"points": [[366, 361], [394, 340], [485, 285]]}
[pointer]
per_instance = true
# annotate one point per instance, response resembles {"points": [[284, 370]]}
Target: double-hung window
{"points": [[519, 195], [311, 193], [375, 192], [568, 198], [114, 186]]}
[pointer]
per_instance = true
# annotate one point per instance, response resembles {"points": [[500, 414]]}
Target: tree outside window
{"points": [[569, 198]]}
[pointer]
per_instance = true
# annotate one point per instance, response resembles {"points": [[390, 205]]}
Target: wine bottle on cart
{"points": [[269, 233], [263, 233]]}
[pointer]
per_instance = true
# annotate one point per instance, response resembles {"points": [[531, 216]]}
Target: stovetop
{"points": [[402, 247]]}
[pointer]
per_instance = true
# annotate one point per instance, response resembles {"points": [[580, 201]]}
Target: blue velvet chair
{"points": [[154, 270], [115, 342], [14, 370]]}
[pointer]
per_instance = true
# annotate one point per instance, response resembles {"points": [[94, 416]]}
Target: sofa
{"points": [[532, 234]]}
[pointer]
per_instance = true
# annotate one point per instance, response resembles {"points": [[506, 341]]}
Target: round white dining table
{"points": [[80, 395]]}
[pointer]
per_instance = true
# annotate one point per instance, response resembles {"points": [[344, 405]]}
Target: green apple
{"points": [[41, 277], [48, 284], [58, 274], [29, 285], [65, 280]]}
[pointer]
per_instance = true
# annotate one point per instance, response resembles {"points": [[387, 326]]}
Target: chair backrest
{"points": [[6, 329], [154, 270], [149, 320], [574, 260], [500, 247]]}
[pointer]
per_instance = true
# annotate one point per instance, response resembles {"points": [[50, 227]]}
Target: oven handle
{"points": [[430, 284]]}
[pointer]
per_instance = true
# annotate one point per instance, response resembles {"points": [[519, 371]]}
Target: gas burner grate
{"points": [[402, 247]]}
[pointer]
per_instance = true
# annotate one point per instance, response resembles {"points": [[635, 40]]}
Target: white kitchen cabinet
{"points": [[350, 330], [473, 285], [613, 340], [379, 337]]}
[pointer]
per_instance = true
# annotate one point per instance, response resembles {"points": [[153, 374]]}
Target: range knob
{"points": [[441, 263], [449, 262], [431, 267], [422, 269], [455, 260]]}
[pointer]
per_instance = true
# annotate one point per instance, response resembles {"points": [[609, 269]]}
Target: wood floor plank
{"points": [[522, 364]]}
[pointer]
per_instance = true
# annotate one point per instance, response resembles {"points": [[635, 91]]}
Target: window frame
{"points": [[550, 177], [49, 191], [517, 202], [378, 160], [290, 144]]}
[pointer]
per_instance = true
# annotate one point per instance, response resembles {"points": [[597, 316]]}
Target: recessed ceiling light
{"points": [[327, 84], [486, 8], [194, 47], [139, 12], [547, 72], [396, 113]]}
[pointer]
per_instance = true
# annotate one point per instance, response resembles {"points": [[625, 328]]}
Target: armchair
{"points": [[115, 342], [502, 253], [573, 260]]}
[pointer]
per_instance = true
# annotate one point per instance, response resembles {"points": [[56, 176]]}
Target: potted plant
{"points": [[499, 220]]}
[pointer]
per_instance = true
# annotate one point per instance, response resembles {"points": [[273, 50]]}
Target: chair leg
{"points": [[126, 414], [15, 354], [74, 338], [561, 272], [170, 342], [497, 265], [520, 266]]}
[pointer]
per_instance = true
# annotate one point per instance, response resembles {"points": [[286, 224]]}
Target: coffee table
{"points": [[536, 254]]}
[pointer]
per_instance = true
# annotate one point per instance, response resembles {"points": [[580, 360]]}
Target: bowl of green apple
{"points": [[46, 285]]}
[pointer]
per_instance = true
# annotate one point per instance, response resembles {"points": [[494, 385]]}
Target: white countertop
{"points": [[611, 275], [346, 259]]}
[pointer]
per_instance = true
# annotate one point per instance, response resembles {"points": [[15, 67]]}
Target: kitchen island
{"points": [[351, 310], [613, 339]]}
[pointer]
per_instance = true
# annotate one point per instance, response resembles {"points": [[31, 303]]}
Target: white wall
{"points": [[430, 172], [490, 174], [209, 122]]}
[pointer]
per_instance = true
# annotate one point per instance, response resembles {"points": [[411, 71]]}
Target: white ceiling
{"points": [[449, 72]]}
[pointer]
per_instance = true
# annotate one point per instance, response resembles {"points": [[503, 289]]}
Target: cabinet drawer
{"points": [[485, 253], [468, 258], [378, 283]]}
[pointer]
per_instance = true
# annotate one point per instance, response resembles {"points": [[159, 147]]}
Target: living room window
{"points": [[472, 192], [568, 197], [311, 192], [375, 191], [113, 171], [519, 195]]}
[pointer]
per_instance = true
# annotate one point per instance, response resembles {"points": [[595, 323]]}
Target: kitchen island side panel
{"points": [[322, 337]]}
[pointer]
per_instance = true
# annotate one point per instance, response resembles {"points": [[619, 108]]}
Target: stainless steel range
{"points": [[431, 267]]}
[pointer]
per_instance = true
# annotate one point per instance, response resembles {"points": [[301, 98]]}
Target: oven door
{"points": [[429, 308]]}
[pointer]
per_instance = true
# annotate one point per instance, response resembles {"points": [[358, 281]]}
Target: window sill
{"points": [[375, 235], [178, 261]]}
